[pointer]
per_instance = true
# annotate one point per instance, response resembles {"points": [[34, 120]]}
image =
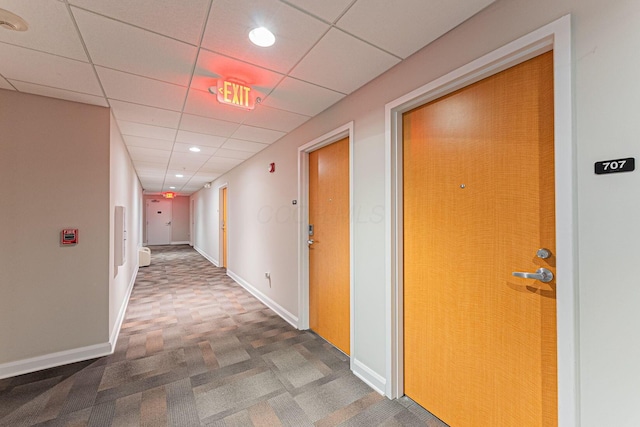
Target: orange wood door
{"points": [[329, 301], [480, 344], [224, 227]]}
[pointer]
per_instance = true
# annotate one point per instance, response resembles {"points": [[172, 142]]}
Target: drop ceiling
{"points": [[153, 61]]}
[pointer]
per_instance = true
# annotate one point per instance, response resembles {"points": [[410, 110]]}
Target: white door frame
{"points": [[556, 36], [303, 219]]}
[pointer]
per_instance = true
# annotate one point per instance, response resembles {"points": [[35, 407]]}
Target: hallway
{"points": [[196, 349]]}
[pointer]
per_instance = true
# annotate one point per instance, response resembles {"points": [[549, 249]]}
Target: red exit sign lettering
{"points": [[235, 94]]}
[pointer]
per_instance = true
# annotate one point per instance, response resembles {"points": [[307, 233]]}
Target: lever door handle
{"points": [[310, 242], [542, 274]]}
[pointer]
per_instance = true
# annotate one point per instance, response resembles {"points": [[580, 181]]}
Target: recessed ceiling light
{"points": [[172, 188], [179, 175], [262, 37], [11, 21], [194, 149]]}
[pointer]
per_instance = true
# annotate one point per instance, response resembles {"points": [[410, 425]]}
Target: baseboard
{"points": [[123, 310], [186, 242], [277, 308], [65, 357], [47, 361], [204, 254], [366, 374]]}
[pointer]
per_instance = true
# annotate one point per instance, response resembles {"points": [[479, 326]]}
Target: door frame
{"points": [[344, 131], [555, 36], [220, 218]]}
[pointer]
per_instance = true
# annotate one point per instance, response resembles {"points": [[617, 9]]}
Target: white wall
{"points": [[125, 191], [606, 38], [55, 173]]}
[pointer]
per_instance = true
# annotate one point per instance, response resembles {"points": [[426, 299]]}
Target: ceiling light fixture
{"points": [[172, 188], [179, 175], [262, 37], [12, 22], [194, 149]]}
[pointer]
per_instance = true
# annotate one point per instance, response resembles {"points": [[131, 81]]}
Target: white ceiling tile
{"points": [[138, 141], [4, 84], [212, 66], [146, 131], [205, 104], [220, 164], [336, 62], [122, 47], [186, 174], [140, 90], [272, 118], [255, 134], [148, 154], [206, 176], [209, 126], [200, 139], [240, 145], [188, 158], [143, 114], [302, 97], [233, 154], [30, 66], [182, 20], [50, 28], [404, 28], [60, 93], [184, 148], [231, 20], [329, 10]]}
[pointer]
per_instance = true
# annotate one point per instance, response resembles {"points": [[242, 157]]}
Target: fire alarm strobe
{"points": [[69, 236]]}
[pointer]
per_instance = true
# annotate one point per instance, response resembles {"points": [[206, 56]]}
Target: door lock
{"points": [[543, 253]]}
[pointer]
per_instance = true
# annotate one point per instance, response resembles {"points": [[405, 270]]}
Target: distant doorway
{"points": [[159, 222]]}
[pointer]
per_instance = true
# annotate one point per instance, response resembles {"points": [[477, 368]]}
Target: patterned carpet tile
{"points": [[196, 349]]}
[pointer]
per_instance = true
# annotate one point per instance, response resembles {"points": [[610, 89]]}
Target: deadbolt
{"points": [[543, 253]]}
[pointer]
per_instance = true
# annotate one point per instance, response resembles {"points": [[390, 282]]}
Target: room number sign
{"points": [[614, 166]]}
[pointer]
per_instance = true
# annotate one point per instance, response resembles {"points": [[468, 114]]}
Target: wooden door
{"points": [[329, 300], [224, 227], [479, 343]]}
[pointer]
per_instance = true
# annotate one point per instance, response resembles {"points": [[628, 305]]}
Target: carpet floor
{"points": [[196, 349]]}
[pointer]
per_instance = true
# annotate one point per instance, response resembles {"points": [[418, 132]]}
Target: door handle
{"points": [[310, 242], [542, 274], [169, 223]]}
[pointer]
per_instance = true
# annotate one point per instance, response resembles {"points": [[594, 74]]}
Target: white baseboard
{"points": [[204, 254], [123, 309], [65, 357], [277, 308], [366, 374], [186, 242], [47, 361]]}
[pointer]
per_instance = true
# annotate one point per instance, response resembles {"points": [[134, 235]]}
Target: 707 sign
{"points": [[613, 166]]}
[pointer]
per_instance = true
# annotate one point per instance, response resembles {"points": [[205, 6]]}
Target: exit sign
{"points": [[236, 94]]}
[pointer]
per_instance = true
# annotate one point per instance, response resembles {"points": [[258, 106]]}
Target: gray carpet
{"points": [[197, 349]]}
